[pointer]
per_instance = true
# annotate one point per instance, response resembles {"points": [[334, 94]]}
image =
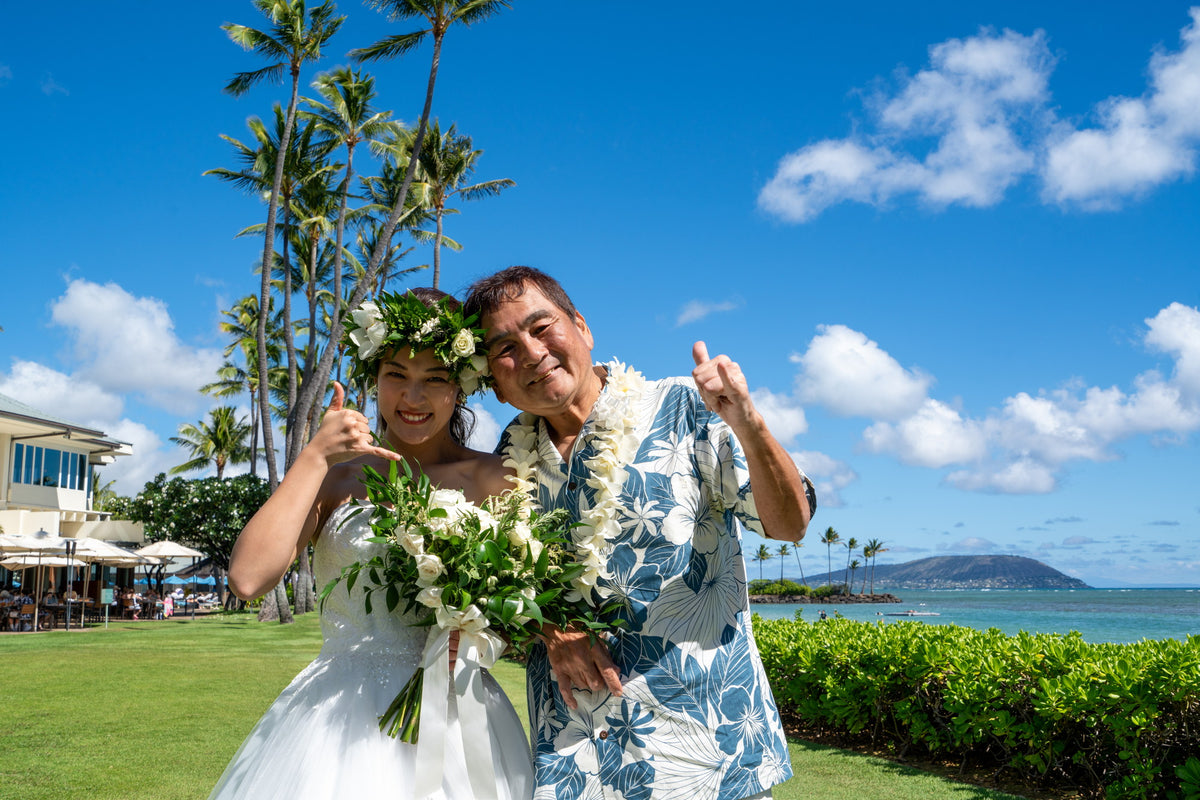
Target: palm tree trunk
{"points": [[275, 606], [253, 431], [264, 302], [289, 336], [437, 251], [309, 392]]}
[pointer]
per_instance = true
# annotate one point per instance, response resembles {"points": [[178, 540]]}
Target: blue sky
{"points": [[955, 248]]}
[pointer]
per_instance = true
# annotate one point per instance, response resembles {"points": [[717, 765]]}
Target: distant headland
{"points": [[936, 572]]}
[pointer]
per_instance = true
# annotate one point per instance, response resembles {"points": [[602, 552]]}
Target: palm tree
{"points": [[102, 495], [851, 545], [242, 325], [829, 538], [441, 15], [782, 553], [296, 35], [346, 117], [447, 161], [872, 550], [796, 552], [763, 555], [220, 442], [853, 568]]}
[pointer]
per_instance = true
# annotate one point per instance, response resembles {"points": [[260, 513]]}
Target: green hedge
{"points": [[1122, 721], [785, 586]]}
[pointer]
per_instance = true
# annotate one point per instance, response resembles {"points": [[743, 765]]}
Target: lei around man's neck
{"points": [[394, 320]]}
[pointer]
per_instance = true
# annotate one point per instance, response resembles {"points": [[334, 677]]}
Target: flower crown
{"points": [[402, 320]]}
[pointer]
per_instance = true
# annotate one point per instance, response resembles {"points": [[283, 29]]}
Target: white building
{"points": [[46, 482]]}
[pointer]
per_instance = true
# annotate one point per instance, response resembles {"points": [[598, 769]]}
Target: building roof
{"points": [[25, 419]]}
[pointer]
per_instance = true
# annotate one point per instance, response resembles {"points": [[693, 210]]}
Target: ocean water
{"points": [[1099, 615]]}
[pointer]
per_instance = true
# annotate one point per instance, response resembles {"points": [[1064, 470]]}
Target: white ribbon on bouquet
{"points": [[478, 649]]}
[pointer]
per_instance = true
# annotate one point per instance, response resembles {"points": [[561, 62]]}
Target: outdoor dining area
{"points": [[50, 582]]}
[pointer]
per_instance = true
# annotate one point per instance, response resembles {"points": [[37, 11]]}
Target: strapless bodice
{"points": [[345, 623]]}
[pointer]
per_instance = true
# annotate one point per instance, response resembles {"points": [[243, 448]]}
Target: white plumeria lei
{"points": [[614, 418]]}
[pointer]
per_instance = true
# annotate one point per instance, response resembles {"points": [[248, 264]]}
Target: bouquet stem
{"points": [[403, 716]]}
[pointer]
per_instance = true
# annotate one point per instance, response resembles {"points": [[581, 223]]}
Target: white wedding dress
{"points": [[320, 740]]}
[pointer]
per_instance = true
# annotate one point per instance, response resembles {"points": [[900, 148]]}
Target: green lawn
{"points": [[154, 710]]}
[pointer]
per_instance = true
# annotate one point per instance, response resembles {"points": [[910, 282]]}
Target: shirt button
{"points": [[571, 486], [603, 734]]}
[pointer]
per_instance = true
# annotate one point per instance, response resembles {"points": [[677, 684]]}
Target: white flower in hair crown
{"points": [[613, 418], [397, 320]]}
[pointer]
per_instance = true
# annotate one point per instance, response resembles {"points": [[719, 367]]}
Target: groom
{"points": [[677, 704]]}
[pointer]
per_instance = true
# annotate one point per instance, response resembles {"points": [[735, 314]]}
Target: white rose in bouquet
{"points": [[429, 569]]}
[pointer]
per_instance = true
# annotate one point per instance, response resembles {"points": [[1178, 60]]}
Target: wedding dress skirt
{"points": [[320, 740]]}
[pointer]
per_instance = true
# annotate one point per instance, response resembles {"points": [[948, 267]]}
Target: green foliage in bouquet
{"points": [[499, 562]]}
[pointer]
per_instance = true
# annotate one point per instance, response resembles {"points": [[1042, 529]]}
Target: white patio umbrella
{"points": [[99, 551], [42, 544], [171, 550]]}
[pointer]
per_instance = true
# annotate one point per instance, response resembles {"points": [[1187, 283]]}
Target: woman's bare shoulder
{"points": [[342, 484], [490, 474]]}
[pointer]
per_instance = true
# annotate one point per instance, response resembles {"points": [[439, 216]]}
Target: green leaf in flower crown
{"points": [[367, 601], [393, 597]]}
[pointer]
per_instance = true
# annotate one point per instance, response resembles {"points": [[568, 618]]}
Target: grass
{"points": [[155, 710]]}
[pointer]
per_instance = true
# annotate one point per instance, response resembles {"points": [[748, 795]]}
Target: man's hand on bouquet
{"points": [[579, 662]]}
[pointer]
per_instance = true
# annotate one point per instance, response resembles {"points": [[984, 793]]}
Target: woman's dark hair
{"points": [[462, 421]]}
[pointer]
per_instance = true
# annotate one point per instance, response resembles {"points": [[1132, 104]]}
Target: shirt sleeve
{"points": [[722, 464]]}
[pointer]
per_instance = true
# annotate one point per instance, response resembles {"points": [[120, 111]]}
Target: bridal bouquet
{"points": [[494, 572]]}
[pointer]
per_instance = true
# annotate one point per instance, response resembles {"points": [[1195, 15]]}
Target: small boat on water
{"points": [[912, 613]]}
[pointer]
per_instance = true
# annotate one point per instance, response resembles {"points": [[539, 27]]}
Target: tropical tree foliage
{"points": [[206, 513], [334, 232], [829, 538], [219, 442], [762, 556]]}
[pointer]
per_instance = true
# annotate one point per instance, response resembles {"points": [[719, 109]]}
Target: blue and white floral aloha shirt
{"points": [[697, 719]]}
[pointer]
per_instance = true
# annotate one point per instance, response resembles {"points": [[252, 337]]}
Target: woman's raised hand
{"points": [[345, 433]]}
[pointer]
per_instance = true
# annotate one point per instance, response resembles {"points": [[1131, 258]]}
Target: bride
{"points": [[321, 739]]}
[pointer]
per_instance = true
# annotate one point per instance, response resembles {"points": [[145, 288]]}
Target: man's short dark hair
{"points": [[486, 294]]}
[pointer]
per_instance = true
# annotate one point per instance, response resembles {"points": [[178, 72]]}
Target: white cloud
{"points": [[51, 86], [128, 344], [1021, 446], [696, 310], [150, 457], [1176, 330], [972, 544], [1141, 142], [935, 436], [487, 430], [784, 416], [75, 400], [82, 402], [852, 376], [985, 104], [1021, 476], [974, 98], [828, 474]]}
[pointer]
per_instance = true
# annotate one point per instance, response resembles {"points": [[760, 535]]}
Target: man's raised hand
{"points": [[722, 386]]}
